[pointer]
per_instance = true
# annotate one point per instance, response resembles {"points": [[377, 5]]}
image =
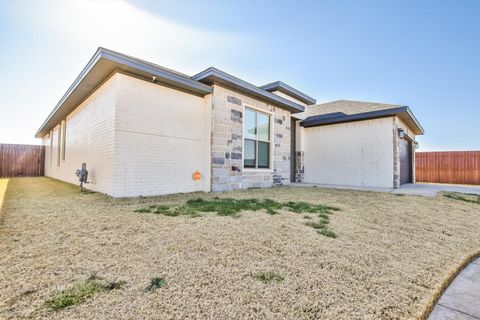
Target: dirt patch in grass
{"points": [[390, 258]]}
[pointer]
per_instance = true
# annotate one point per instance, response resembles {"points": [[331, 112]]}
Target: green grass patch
{"points": [[160, 209], [322, 224], [232, 207], [327, 233], [323, 215], [80, 292], [302, 207], [267, 277], [466, 197], [322, 227], [155, 283]]}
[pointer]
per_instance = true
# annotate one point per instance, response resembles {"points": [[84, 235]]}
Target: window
{"points": [[256, 132], [64, 138], [59, 138], [51, 148]]}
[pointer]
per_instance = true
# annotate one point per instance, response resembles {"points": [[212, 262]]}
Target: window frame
{"points": [[59, 144], [269, 141], [64, 137], [51, 148]]}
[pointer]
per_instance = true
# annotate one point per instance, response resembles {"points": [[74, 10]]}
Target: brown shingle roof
{"points": [[348, 107], [342, 111]]}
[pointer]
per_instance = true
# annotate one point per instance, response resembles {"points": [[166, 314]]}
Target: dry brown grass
{"points": [[392, 255]]}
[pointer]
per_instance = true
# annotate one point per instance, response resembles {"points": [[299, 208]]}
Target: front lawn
{"points": [[252, 254]]}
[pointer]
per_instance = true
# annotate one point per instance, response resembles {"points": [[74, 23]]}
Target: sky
{"points": [[424, 54]]}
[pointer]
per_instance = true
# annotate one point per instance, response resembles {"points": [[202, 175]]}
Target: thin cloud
{"points": [[121, 26]]}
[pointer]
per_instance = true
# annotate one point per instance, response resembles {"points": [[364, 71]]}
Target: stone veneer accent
{"points": [[396, 155], [299, 166], [414, 149], [227, 143]]}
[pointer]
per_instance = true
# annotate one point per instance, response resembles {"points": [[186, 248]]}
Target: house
{"points": [[146, 130]]}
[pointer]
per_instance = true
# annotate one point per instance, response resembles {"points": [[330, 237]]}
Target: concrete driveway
{"points": [[431, 189], [421, 189]]}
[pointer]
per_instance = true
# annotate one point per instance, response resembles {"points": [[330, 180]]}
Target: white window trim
{"points": [[59, 144], [64, 142], [51, 148], [272, 143]]}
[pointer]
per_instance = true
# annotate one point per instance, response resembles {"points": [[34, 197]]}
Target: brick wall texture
{"points": [[137, 138], [90, 138]]}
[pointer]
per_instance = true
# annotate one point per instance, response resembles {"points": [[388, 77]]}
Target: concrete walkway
{"points": [[431, 189], [422, 189], [461, 300]]}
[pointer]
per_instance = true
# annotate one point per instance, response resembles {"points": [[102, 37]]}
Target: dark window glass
{"points": [[263, 154]]}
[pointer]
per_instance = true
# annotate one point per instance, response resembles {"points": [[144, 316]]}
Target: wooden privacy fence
{"points": [[459, 167], [21, 160]]}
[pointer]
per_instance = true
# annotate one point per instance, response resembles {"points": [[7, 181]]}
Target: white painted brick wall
{"points": [[355, 154], [90, 139], [137, 138], [162, 138]]}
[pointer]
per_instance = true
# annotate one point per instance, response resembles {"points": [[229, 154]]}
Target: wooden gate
{"points": [[21, 160], [458, 167]]}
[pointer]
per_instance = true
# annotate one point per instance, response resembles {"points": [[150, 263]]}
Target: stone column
{"points": [[396, 155], [299, 166], [414, 179]]}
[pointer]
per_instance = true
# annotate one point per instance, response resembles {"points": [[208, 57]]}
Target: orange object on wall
{"points": [[197, 175]]}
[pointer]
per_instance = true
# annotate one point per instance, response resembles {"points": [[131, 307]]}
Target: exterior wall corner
{"points": [[396, 154]]}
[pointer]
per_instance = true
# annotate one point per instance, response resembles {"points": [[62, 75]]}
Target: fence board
{"points": [[21, 160], [457, 167]]}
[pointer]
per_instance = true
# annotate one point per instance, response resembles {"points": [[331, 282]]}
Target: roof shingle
{"points": [[349, 107]]}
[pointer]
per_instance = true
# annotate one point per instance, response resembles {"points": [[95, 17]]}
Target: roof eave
{"points": [[163, 76], [213, 75], [103, 63], [420, 130], [315, 121], [285, 88], [72, 87]]}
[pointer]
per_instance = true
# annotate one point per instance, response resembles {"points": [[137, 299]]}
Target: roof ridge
{"points": [[146, 62], [360, 101], [289, 90]]}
